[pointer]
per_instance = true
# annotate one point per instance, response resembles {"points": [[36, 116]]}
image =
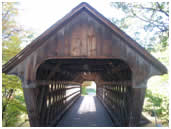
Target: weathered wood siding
{"points": [[83, 36]]}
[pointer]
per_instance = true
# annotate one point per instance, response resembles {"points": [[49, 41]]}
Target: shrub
{"points": [[159, 104]]}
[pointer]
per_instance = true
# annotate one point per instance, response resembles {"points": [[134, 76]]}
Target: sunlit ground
{"points": [[87, 105], [86, 112]]}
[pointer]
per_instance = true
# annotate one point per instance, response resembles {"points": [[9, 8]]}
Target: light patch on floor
{"points": [[87, 105]]}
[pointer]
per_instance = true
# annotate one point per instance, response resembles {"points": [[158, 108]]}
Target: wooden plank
{"points": [[30, 96], [60, 42], [45, 82], [84, 33], [91, 37], [57, 119], [77, 114], [136, 105], [67, 36]]}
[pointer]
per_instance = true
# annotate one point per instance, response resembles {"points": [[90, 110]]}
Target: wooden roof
{"points": [[83, 6]]}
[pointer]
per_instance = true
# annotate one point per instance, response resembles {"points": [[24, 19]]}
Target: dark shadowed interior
{"points": [[112, 76]]}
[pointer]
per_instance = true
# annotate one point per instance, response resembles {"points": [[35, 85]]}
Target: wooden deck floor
{"points": [[86, 112]]}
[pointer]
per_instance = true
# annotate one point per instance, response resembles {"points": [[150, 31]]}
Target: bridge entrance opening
{"points": [[62, 81], [88, 88]]}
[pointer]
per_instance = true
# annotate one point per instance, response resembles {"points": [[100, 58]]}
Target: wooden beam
{"points": [[125, 83], [54, 70], [45, 82], [119, 68], [31, 95]]}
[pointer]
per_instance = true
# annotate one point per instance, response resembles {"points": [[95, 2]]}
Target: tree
{"points": [[13, 106], [152, 32], [153, 17], [84, 86], [87, 83]]}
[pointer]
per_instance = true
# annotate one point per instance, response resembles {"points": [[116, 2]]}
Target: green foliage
{"points": [[14, 108], [13, 105], [83, 90], [158, 104], [157, 96], [152, 21], [148, 24], [13, 36], [13, 101], [87, 83]]}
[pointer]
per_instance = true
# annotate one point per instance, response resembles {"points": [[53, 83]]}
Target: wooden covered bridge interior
{"points": [[61, 80], [84, 46]]}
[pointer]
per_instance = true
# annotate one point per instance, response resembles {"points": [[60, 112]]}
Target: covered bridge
{"points": [[84, 46]]}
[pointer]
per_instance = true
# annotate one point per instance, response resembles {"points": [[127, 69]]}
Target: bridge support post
{"points": [[137, 101], [31, 99]]}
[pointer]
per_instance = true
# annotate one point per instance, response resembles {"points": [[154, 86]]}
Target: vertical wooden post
{"points": [[137, 100], [31, 99], [43, 105]]}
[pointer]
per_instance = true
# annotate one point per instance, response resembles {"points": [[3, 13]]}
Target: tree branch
{"points": [[159, 10], [160, 26]]}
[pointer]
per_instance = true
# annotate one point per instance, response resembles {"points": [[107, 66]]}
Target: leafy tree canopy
{"points": [[13, 105], [150, 20]]}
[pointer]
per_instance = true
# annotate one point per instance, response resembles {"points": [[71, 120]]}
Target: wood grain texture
{"points": [[83, 46]]}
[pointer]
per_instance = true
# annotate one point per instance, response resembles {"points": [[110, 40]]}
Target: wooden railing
{"points": [[116, 98], [55, 98]]}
